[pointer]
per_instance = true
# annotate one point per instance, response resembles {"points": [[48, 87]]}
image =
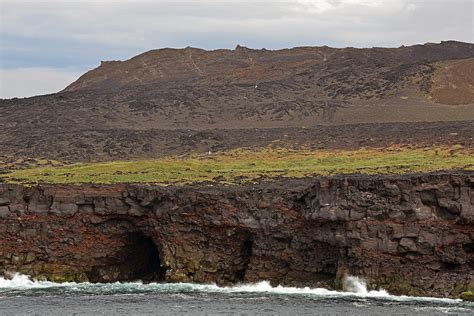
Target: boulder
{"points": [[407, 245], [4, 211]]}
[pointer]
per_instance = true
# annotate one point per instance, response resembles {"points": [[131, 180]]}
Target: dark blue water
{"points": [[21, 296]]}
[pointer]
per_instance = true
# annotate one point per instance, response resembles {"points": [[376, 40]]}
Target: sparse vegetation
{"points": [[246, 165], [467, 296]]}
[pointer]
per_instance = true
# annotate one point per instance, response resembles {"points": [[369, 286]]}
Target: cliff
{"points": [[410, 234]]}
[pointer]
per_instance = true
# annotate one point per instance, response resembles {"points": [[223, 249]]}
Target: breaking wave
{"points": [[19, 284]]}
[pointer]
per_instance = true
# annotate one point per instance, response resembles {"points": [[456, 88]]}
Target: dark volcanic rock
{"points": [[410, 234], [375, 71], [171, 101]]}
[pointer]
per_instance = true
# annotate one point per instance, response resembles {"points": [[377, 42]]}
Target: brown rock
{"points": [[407, 244], [4, 211]]}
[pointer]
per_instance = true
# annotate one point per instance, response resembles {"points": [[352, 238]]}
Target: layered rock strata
{"points": [[410, 234]]}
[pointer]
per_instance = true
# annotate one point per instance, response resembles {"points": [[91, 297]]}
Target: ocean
{"points": [[20, 295]]}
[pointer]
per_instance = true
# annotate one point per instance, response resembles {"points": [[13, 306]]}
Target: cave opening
{"points": [[245, 256], [469, 248], [147, 259], [138, 259]]}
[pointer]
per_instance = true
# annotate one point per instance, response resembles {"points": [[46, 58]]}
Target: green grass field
{"points": [[245, 165]]}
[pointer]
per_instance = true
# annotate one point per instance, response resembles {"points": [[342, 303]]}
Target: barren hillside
{"points": [[171, 101]]}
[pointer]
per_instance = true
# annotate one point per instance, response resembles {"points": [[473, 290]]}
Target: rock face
{"points": [[410, 234]]}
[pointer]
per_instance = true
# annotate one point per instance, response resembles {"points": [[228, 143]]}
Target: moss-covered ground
{"points": [[248, 165]]}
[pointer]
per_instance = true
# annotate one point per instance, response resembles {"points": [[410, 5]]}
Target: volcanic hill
{"points": [[174, 101]]}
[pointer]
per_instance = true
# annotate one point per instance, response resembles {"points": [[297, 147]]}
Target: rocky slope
{"points": [[410, 234], [116, 144], [150, 104], [324, 72]]}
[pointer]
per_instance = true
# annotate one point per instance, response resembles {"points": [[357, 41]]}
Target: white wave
{"points": [[353, 287], [21, 281], [356, 285]]}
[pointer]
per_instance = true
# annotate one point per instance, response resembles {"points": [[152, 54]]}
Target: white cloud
{"points": [[27, 82], [322, 6]]}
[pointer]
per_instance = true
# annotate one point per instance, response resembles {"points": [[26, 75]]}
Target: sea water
{"points": [[20, 295]]}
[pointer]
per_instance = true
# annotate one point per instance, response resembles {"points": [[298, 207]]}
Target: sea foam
{"points": [[353, 287]]}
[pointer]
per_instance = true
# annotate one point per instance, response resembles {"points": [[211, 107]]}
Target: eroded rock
{"points": [[410, 234]]}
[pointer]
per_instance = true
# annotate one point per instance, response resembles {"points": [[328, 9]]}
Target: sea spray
{"points": [[21, 281], [358, 285]]}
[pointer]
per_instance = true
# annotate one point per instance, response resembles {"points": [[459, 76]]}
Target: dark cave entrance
{"points": [[469, 250], [138, 259], [245, 256], [147, 258]]}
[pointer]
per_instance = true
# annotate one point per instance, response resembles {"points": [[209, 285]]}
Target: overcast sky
{"points": [[45, 45]]}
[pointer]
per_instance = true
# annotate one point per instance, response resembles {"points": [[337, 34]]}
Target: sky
{"points": [[45, 45]]}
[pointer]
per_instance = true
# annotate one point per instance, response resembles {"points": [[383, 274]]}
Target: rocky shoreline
{"points": [[409, 234]]}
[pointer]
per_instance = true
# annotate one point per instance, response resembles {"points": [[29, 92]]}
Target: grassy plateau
{"points": [[247, 165]]}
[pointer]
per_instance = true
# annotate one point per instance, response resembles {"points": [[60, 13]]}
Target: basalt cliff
{"points": [[410, 234]]}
